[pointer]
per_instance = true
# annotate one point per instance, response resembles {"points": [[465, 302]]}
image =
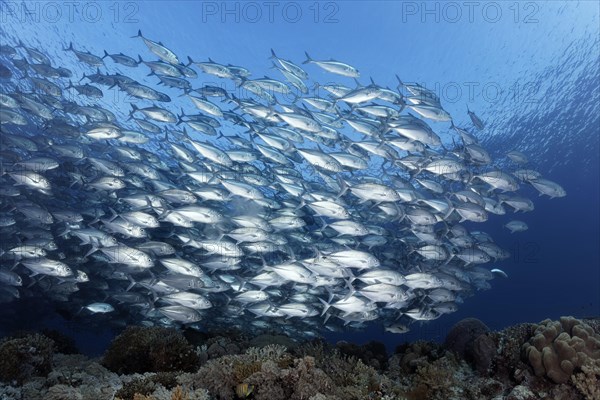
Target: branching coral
{"points": [[268, 352], [588, 380]]}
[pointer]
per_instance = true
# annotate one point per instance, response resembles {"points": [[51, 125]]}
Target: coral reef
{"points": [[62, 343], [474, 365], [22, 358], [152, 349], [560, 348], [469, 340], [588, 380], [373, 353]]}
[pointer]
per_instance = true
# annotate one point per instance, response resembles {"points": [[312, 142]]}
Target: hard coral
{"points": [[437, 379], [483, 352], [153, 349], [221, 375], [463, 333], [560, 348], [146, 385], [352, 379], [25, 357], [137, 386], [300, 381], [588, 380], [470, 340], [508, 366], [373, 353]]}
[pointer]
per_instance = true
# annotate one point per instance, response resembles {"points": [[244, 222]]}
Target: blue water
{"points": [[529, 69]]}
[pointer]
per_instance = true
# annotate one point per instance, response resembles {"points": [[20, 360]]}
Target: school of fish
{"points": [[264, 208]]}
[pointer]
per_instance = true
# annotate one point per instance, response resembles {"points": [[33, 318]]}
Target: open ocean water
{"points": [[529, 70]]}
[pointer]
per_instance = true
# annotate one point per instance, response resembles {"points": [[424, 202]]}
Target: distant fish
{"points": [[335, 67], [516, 226], [477, 122], [87, 57], [121, 59], [159, 49]]}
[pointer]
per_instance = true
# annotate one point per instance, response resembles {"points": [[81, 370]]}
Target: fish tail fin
{"points": [[302, 203], [323, 226], [400, 83], [134, 108], [139, 34], [190, 61], [94, 249], [308, 59], [449, 212], [351, 277], [273, 55], [180, 118], [240, 81], [113, 214], [105, 55], [132, 283], [326, 306], [343, 187], [186, 135], [351, 289], [70, 85], [140, 59]]}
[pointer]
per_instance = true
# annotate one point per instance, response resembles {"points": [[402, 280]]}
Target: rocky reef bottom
{"points": [[553, 360]]}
